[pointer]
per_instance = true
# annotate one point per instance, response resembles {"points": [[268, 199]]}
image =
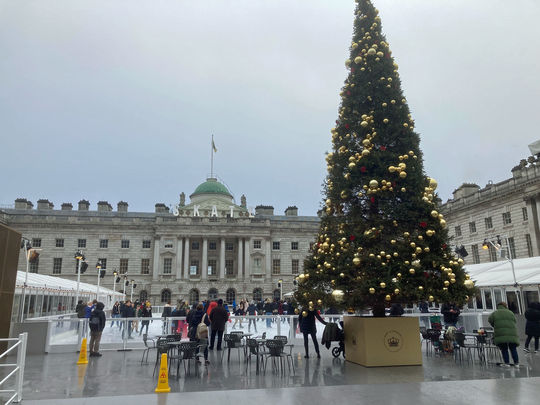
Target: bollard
{"points": [[163, 377], [83, 358]]}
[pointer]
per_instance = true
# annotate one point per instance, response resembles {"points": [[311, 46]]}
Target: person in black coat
{"points": [[532, 327], [97, 324], [146, 312], [306, 321], [128, 312], [450, 313], [218, 318], [197, 316]]}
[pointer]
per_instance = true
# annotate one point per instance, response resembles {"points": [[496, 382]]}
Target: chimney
{"points": [[104, 206], [291, 211], [67, 207], [21, 204], [465, 190], [84, 205], [44, 204], [122, 206], [266, 210], [160, 208]]}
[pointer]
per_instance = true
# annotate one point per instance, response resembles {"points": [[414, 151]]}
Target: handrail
{"points": [[18, 371]]}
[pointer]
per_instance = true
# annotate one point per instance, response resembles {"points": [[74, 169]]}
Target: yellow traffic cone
{"points": [[83, 358], [163, 378]]}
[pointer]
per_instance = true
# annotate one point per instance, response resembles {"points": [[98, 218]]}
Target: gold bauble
{"points": [[396, 254], [385, 120], [388, 297], [358, 59], [310, 303], [338, 295], [311, 308], [365, 152], [406, 234], [433, 183], [403, 175], [356, 261], [445, 289], [420, 237], [399, 274], [304, 313], [380, 54], [391, 169], [342, 275], [413, 245], [446, 283], [373, 184], [403, 189], [296, 311], [430, 232], [431, 298], [421, 288], [434, 214], [468, 283], [325, 245], [396, 291], [383, 285], [366, 142], [393, 241], [372, 290], [412, 271], [364, 124], [418, 250], [319, 302], [371, 51], [352, 165], [327, 265], [452, 280], [384, 104], [443, 223]]}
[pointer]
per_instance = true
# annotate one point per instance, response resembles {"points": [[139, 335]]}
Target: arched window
{"points": [[143, 295], [212, 294], [257, 294], [194, 296], [230, 295], [276, 294], [165, 295]]}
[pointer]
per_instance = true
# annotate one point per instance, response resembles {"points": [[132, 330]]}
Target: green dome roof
{"points": [[212, 186]]}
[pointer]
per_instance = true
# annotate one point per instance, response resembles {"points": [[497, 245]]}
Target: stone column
{"points": [[239, 266], [222, 258], [179, 257], [268, 258], [247, 259], [204, 264], [155, 265], [187, 262], [535, 210]]}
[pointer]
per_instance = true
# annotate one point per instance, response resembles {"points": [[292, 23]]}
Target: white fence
{"points": [[18, 368]]}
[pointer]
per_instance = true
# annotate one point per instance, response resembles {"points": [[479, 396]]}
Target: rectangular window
{"points": [[146, 244], [103, 243], [475, 254], [256, 244], [492, 253], [295, 266], [212, 245], [194, 267], [229, 267], [194, 245], [525, 213], [212, 267], [59, 242], [81, 243], [276, 266], [103, 263], [488, 222], [145, 266], [507, 219], [34, 266], [275, 245], [125, 244], [167, 265], [458, 230], [257, 265], [472, 227], [512, 245], [57, 265], [168, 244], [123, 266], [294, 245], [229, 246], [36, 242], [529, 245]]}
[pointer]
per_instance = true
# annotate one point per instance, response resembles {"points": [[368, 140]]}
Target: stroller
{"points": [[333, 332]]}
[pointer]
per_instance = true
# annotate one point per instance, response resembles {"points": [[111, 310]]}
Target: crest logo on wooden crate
{"points": [[393, 341]]}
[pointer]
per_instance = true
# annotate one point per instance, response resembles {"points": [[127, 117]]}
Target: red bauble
{"points": [[348, 93], [363, 169], [352, 237], [444, 245], [352, 70], [383, 148], [346, 126], [426, 274], [372, 199], [423, 224]]}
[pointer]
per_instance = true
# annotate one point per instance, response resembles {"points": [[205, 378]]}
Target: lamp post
{"points": [[125, 283], [98, 268], [115, 274], [132, 285], [280, 285], [80, 257], [25, 244]]}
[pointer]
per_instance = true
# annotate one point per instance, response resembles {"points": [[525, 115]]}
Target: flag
{"points": [[214, 146]]}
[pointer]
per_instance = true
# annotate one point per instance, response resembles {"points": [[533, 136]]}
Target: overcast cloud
{"points": [[117, 100]]}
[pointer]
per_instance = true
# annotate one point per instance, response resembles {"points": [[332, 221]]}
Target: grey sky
{"points": [[116, 100]]}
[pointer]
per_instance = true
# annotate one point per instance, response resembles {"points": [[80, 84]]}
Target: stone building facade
{"points": [[502, 217], [208, 248]]}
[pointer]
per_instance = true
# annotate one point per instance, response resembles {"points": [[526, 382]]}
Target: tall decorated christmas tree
{"points": [[382, 239]]}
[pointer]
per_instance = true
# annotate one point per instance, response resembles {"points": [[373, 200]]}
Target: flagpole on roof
{"points": [[212, 157]]}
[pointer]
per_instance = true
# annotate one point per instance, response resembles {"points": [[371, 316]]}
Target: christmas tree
{"points": [[382, 239]]}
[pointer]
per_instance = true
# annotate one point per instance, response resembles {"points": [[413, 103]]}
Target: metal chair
{"points": [[285, 341], [148, 346], [162, 346], [275, 351], [253, 348], [186, 351], [232, 341]]}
